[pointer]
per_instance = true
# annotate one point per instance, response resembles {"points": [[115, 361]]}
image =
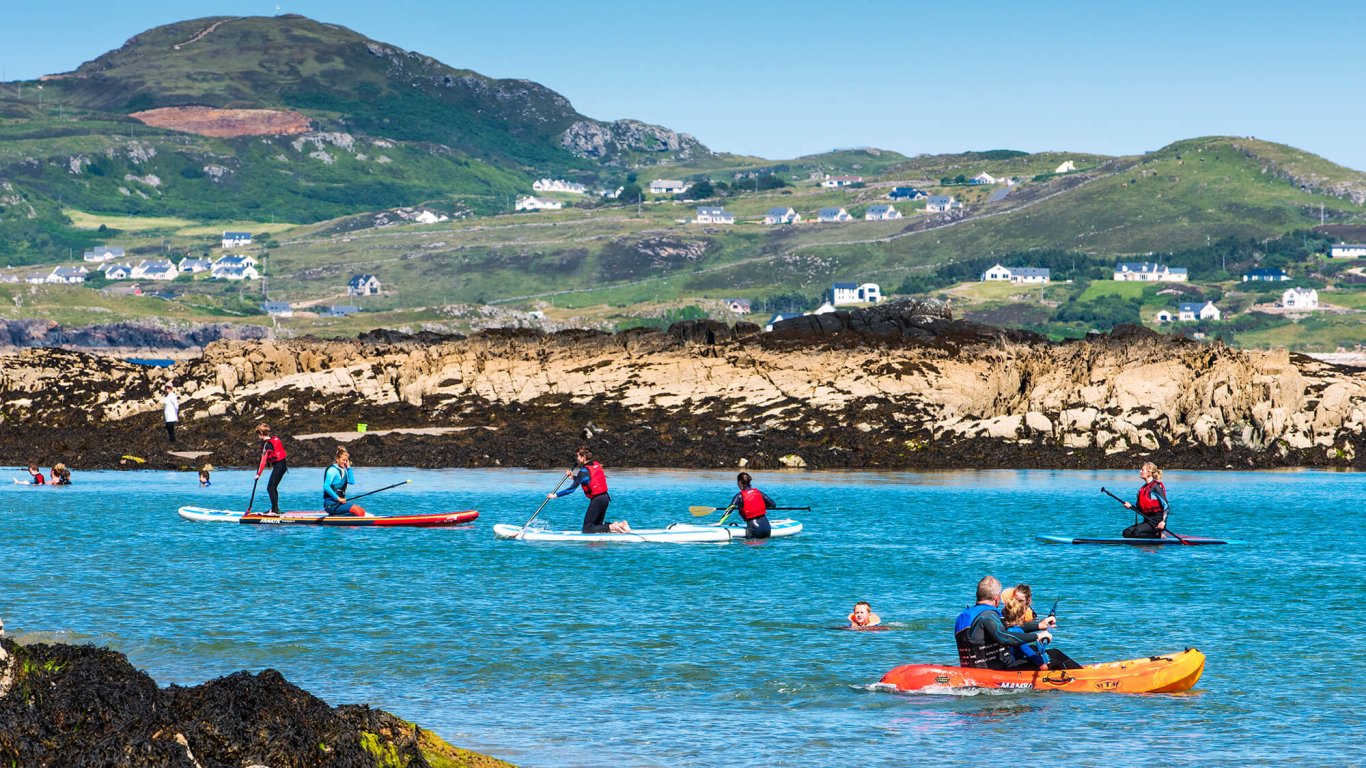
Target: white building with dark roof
{"points": [[881, 213], [1347, 251], [941, 204], [1191, 311], [155, 269], [68, 275], [782, 216], [363, 285], [1300, 298], [833, 215], [236, 239], [102, 254], [710, 214], [842, 181], [528, 203], [669, 187], [1147, 271]]}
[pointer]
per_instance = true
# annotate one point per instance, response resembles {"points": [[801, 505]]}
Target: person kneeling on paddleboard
{"points": [[980, 632], [1152, 505], [863, 616], [589, 474], [754, 505], [335, 480]]}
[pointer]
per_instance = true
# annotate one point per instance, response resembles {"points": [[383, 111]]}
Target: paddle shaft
{"points": [[252, 500], [377, 490], [546, 500], [1164, 528]]}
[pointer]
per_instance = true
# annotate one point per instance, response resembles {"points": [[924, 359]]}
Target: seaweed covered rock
{"points": [[68, 706]]}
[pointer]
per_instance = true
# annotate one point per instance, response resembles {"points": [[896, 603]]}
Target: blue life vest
{"points": [[975, 649]]}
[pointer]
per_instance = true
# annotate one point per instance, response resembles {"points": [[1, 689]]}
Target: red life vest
{"points": [[752, 504], [597, 481], [1147, 503], [38, 479], [272, 452]]}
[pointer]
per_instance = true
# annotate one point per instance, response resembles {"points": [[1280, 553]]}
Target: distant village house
{"points": [[842, 181], [363, 285], [529, 203], [668, 187], [709, 214], [906, 193], [236, 239], [1347, 251], [1300, 298], [117, 271], [103, 253], [1149, 272], [559, 185], [782, 216], [68, 275], [1017, 274], [853, 293], [1190, 312], [1265, 276], [278, 309], [738, 306], [194, 266], [984, 178], [941, 204], [1066, 167], [881, 213], [831, 215], [155, 269]]}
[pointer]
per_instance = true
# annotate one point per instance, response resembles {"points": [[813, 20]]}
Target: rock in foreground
{"points": [[65, 706]]}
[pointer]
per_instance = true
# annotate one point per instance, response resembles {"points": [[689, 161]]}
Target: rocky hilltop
{"points": [[66, 706], [899, 386]]}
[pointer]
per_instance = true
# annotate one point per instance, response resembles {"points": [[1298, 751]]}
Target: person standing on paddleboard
{"points": [[589, 475], [335, 479], [754, 505], [1152, 505], [273, 456]]}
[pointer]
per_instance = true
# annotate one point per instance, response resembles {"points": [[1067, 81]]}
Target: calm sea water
{"points": [[723, 655]]}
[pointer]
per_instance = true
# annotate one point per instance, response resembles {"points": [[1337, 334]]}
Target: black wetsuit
{"points": [[757, 527], [594, 518]]}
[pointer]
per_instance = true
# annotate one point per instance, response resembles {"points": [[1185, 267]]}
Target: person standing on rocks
{"points": [[273, 456], [590, 476], [170, 407], [753, 505], [1152, 505]]}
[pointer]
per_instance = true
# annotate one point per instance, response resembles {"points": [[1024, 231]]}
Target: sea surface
{"points": [[727, 655]]}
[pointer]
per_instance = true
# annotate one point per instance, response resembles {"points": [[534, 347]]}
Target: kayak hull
{"points": [[1154, 674], [440, 520], [1193, 541], [678, 533]]}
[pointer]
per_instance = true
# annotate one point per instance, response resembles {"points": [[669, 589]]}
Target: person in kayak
{"points": [[272, 455], [1019, 593], [35, 475], [1152, 505], [863, 616], [981, 636], [335, 480], [588, 474], [753, 505]]}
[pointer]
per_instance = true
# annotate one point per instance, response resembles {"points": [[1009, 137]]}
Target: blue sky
{"points": [[791, 78]]}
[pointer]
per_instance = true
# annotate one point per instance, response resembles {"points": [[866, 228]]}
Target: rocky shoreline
{"points": [[68, 706], [902, 386]]}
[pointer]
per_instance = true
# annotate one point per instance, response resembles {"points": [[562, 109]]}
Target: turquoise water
{"points": [[722, 655]]}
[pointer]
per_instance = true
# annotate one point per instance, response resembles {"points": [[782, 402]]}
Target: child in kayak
{"points": [[36, 475], [863, 616], [335, 479], [1023, 594], [753, 505], [273, 456], [590, 476], [1151, 505], [1016, 613]]}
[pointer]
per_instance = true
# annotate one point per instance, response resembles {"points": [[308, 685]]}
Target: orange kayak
{"points": [[1153, 674]]}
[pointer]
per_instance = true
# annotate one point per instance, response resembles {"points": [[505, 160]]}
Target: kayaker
{"points": [[335, 480], [35, 475], [863, 617], [980, 633], [1015, 614], [60, 474], [1152, 505], [272, 455], [754, 505], [588, 474]]}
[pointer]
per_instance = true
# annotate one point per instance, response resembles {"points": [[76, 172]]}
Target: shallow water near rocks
{"points": [[723, 655]]}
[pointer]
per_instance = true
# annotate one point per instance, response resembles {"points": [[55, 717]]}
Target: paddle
{"points": [[546, 500], [1174, 535], [704, 511], [377, 490], [253, 491]]}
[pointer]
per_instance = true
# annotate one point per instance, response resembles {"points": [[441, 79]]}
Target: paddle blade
{"points": [[701, 511]]}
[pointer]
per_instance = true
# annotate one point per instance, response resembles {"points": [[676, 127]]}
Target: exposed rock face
{"points": [[590, 138], [209, 121], [66, 706], [898, 386], [45, 333]]}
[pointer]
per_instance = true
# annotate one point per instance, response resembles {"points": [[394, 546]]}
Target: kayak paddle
{"points": [[377, 490], [1164, 529], [546, 500]]}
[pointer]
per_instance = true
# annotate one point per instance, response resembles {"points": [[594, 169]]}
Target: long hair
{"points": [[1013, 613], [341, 451], [1153, 470]]}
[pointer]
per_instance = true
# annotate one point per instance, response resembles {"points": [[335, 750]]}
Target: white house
{"points": [[529, 203], [245, 272], [155, 269], [429, 217], [194, 266], [905, 193], [1030, 275], [278, 309], [870, 293], [1261, 275], [738, 306], [1164, 316], [827, 215], [941, 204], [103, 253], [1300, 298], [1066, 167], [68, 275], [824, 309], [1192, 311], [782, 216], [1347, 251], [984, 178], [559, 185], [881, 213], [842, 181], [235, 261], [668, 187], [117, 271], [997, 273], [236, 239], [708, 214], [852, 293], [37, 278], [1149, 272], [363, 285]]}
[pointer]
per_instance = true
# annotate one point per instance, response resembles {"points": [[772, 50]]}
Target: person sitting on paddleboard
{"points": [[273, 456], [863, 616], [753, 505], [60, 474], [36, 475], [1152, 505], [589, 475], [335, 479], [980, 633]]}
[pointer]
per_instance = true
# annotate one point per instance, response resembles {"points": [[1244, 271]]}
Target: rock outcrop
{"points": [[68, 706], [900, 386]]}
